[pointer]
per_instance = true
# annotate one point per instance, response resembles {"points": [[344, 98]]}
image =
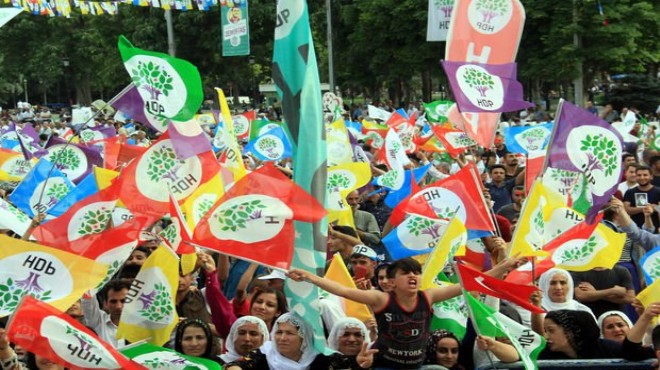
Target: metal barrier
{"points": [[579, 364]]}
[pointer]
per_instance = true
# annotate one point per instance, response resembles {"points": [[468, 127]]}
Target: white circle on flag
{"points": [[490, 16], [249, 218], [90, 219], [483, 89], [443, 202], [55, 189], [71, 160], [16, 166], [600, 161], [165, 360], [241, 125], [269, 146], [288, 13]]}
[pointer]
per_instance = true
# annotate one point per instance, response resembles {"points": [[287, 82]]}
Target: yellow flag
{"points": [[650, 294], [371, 125], [201, 201], [104, 177], [602, 249], [452, 240], [234, 159], [342, 180], [339, 145], [149, 311], [14, 166], [529, 236], [48, 274], [338, 272]]}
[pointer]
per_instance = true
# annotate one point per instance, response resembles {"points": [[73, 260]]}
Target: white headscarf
{"points": [[276, 361], [570, 304], [607, 314], [340, 328], [231, 354]]}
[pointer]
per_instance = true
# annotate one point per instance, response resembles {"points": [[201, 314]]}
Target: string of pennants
{"points": [[63, 8]]}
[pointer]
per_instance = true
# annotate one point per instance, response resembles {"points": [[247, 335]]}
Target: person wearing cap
{"points": [[364, 258], [275, 279]]}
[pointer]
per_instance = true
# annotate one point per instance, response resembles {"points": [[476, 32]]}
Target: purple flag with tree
{"points": [[485, 87], [75, 161], [582, 142], [132, 105]]}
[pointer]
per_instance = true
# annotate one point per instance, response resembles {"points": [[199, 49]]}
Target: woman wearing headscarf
{"points": [[291, 348], [557, 288], [614, 325], [571, 334], [193, 338], [442, 351], [347, 337], [247, 334]]}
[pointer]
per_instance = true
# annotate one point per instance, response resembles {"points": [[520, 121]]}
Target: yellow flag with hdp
{"points": [[339, 145], [338, 272], [449, 245], [48, 274], [342, 180], [149, 311]]}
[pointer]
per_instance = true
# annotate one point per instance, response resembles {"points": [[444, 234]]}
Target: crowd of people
{"points": [[236, 313]]}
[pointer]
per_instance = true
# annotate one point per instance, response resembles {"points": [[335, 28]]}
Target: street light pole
{"points": [[331, 67], [255, 87]]}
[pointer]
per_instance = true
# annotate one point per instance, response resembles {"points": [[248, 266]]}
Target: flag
{"points": [[13, 218], [338, 273], [650, 294], [527, 139], [455, 141], [260, 127], [450, 314], [395, 196], [439, 15], [454, 237], [394, 155], [488, 322], [533, 168], [13, 165], [436, 111], [650, 264], [104, 177], [481, 87], [296, 76], [133, 106], [149, 309], [48, 332], [582, 142], [234, 160], [271, 146], [200, 202], [342, 180], [114, 250], [85, 188], [6, 14], [48, 274], [75, 161], [170, 87], [253, 219], [378, 113], [155, 357], [473, 280], [242, 123], [178, 237], [93, 135], [339, 145], [416, 235], [40, 189]]}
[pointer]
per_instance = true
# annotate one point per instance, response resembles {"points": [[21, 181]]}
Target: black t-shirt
{"points": [[604, 279], [638, 198]]}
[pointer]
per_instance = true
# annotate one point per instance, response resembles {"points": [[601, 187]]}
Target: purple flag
{"points": [[188, 140], [132, 105], [75, 161], [582, 142], [28, 138], [485, 87]]}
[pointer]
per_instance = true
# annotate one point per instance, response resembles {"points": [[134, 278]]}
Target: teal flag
{"points": [[296, 76], [235, 28]]}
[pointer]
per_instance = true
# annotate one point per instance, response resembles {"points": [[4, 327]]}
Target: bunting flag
{"points": [[170, 87], [178, 237], [485, 87], [75, 161], [454, 237], [133, 106], [271, 146], [155, 357], [253, 219], [582, 142], [41, 189], [342, 180], [86, 187], [650, 264], [473, 280], [494, 324], [200, 202], [13, 166], [296, 76], [48, 332], [149, 309], [436, 111], [339, 145], [338, 273], [13, 218], [395, 196], [533, 168], [51, 275], [234, 159], [454, 141], [495, 36], [527, 139]]}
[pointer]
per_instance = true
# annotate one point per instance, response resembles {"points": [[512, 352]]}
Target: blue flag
{"points": [[41, 189], [271, 146], [395, 196], [650, 264], [85, 188], [296, 76], [523, 139]]}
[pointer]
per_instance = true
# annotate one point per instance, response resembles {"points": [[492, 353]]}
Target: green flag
{"points": [[436, 111], [154, 357], [169, 87], [449, 314], [296, 76], [491, 323]]}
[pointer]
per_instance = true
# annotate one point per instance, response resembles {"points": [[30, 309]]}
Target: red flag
{"points": [[533, 168], [47, 332], [396, 121], [455, 141], [254, 219], [473, 280]]}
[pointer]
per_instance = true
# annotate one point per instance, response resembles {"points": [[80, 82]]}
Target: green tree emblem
{"points": [[566, 178], [20, 216], [462, 140], [162, 163], [654, 270], [157, 305], [153, 78], [396, 146], [87, 136], [203, 207], [157, 363], [478, 80], [374, 139], [94, 222], [446, 6], [451, 305], [268, 146], [12, 291], [64, 159], [423, 226], [170, 233], [600, 153], [112, 270], [443, 213], [85, 343], [490, 9], [55, 192], [236, 217], [532, 136], [338, 181], [538, 222], [579, 253], [389, 179]]}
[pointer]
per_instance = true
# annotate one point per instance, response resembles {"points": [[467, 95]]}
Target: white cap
{"points": [[363, 250], [275, 274]]}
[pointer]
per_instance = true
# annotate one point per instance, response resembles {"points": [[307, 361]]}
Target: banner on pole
{"points": [[438, 19], [235, 28]]}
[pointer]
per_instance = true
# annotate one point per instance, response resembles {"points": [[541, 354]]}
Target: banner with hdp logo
{"points": [[235, 28]]}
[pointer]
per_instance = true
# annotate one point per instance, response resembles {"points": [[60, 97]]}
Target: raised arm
{"points": [[374, 298], [222, 312]]}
